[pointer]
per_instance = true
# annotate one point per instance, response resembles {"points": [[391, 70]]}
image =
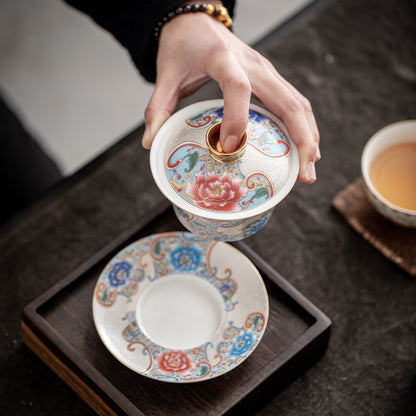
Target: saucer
{"points": [[176, 308]]}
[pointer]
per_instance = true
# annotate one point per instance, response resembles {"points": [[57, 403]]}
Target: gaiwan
{"points": [[217, 195]]}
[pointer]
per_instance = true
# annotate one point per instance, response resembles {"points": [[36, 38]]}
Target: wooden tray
{"points": [[397, 243], [59, 328]]}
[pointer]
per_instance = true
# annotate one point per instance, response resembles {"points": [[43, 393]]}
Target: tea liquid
{"points": [[393, 173]]}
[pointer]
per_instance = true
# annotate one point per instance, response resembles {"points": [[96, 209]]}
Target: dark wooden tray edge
{"points": [[37, 333], [286, 374], [70, 377], [104, 399], [102, 403]]}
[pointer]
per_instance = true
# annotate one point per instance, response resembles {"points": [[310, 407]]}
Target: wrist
{"points": [[214, 8], [214, 2]]}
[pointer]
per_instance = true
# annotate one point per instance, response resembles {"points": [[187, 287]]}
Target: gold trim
{"points": [[212, 139]]}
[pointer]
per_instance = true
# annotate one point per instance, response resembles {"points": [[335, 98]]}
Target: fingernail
{"points": [[318, 152], [310, 171], [230, 144], [145, 138]]}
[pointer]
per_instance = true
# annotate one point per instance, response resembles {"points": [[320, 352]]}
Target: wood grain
{"points": [[395, 242], [59, 328], [70, 378]]}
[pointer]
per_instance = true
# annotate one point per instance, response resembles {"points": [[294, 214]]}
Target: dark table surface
{"points": [[356, 62]]}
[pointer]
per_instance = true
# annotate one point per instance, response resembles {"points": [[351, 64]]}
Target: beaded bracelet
{"points": [[218, 11]]}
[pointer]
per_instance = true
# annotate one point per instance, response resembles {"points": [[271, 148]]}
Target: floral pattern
{"points": [[263, 133], [242, 344], [212, 185], [233, 186], [256, 224], [201, 187], [121, 279], [222, 230], [163, 255], [185, 259], [203, 362], [174, 362], [267, 136], [119, 273], [158, 257], [221, 193]]}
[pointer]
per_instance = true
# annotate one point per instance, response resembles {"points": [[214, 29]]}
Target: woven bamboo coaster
{"points": [[397, 243]]}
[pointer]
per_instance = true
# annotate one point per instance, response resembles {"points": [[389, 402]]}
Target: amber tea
{"points": [[393, 173]]}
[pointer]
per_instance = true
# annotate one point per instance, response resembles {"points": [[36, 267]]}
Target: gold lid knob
{"points": [[215, 149]]}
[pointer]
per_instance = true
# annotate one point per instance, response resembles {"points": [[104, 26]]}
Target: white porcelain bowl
{"points": [[223, 200], [400, 132]]}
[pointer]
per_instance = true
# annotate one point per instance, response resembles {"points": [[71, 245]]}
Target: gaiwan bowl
{"points": [[217, 195], [393, 134]]}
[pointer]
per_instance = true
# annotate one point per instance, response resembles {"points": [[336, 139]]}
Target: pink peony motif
{"points": [[174, 361], [219, 193]]}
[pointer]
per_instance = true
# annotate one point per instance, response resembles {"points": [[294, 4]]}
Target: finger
{"points": [[307, 107], [308, 113], [160, 107], [285, 104], [312, 122], [236, 89], [189, 87]]}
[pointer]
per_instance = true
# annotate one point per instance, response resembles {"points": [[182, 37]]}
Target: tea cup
{"points": [[402, 132]]}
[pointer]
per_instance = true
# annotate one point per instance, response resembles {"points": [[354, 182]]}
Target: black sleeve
{"points": [[132, 23]]}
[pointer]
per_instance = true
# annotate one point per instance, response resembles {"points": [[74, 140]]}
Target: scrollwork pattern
{"points": [[171, 254], [203, 362]]}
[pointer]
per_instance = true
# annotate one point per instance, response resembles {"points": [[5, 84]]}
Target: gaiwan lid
{"points": [[190, 169]]}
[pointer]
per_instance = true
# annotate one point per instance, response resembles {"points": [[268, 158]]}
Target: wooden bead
{"points": [[219, 12]]}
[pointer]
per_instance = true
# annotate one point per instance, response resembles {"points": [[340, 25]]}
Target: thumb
{"points": [[160, 107]]}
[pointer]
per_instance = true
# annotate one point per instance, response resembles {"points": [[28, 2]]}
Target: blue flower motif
{"points": [[218, 113], [256, 225], [257, 117], [185, 259], [119, 273], [183, 213], [242, 344]]}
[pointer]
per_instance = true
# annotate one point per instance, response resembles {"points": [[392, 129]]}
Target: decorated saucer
{"points": [[176, 308]]}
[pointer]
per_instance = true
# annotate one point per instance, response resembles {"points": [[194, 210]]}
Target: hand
{"points": [[195, 47]]}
